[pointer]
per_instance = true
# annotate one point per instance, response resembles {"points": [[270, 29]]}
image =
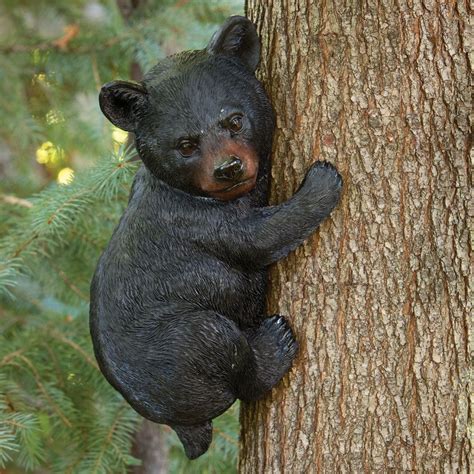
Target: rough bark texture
{"points": [[379, 297]]}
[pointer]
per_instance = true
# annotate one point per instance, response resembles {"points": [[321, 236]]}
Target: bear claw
{"points": [[282, 333]]}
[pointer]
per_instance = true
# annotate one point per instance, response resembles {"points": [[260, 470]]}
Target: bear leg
{"points": [[274, 347], [195, 439]]}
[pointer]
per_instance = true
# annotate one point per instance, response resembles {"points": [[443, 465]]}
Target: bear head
{"points": [[202, 121]]}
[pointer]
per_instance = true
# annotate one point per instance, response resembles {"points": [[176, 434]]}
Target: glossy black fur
{"points": [[178, 297]]}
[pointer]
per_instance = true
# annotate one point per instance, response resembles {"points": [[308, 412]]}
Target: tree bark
{"points": [[378, 297], [150, 447]]}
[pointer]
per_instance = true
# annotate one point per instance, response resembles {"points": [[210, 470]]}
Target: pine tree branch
{"points": [[68, 283], [181, 3], [60, 337], [24, 245], [108, 439], [6, 359], [15, 424], [50, 220], [37, 378], [226, 436], [8, 199], [50, 45], [57, 368]]}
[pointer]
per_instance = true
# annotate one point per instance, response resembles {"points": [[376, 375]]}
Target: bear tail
{"points": [[196, 439]]}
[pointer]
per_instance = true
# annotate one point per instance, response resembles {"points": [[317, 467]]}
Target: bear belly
{"points": [[209, 283]]}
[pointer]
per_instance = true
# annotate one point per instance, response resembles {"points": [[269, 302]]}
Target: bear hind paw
{"points": [[196, 439]]}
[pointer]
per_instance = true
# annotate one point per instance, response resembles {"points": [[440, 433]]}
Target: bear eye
{"points": [[186, 148], [235, 123]]}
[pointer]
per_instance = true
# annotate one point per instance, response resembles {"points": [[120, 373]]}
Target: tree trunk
{"points": [[379, 296], [150, 447]]}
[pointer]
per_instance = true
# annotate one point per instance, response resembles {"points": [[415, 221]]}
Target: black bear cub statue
{"points": [[178, 297]]}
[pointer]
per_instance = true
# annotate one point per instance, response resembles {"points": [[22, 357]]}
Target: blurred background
{"points": [[65, 176]]}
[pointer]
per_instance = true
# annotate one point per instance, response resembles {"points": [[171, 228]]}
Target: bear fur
{"points": [[177, 312]]}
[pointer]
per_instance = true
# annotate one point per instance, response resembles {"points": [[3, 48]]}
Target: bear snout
{"points": [[231, 170], [228, 169]]}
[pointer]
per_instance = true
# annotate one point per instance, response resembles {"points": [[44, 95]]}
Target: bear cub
{"points": [[177, 312]]}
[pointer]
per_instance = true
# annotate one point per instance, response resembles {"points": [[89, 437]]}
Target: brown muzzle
{"points": [[228, 169]]}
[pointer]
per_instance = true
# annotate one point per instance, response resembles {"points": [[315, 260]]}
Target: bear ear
{"points": [[237, 37], [120, 102]]}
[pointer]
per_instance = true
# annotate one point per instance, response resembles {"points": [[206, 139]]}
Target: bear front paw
{"points": [[324, 174], [324, 183]]}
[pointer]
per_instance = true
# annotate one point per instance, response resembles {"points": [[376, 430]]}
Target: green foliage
{"points": [[56, 409], [55, 55], [57, 412]]}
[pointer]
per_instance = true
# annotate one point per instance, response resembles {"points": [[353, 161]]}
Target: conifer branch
{"points": [[24, 246], [226, 437], [42, 388], [108, 439], [60, 337], [14, 423], [68, 283], [15, 201], [57, 369], [7, 358], [52, 45]]}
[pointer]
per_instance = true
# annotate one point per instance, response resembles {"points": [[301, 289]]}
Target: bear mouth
{"points": [[236, 190], [237, 185]]}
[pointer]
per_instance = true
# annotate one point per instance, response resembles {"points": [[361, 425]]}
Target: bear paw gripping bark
{"points": [[178, 297]]}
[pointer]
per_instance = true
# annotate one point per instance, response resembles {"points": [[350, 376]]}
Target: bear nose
{"points": [[230, 170]]}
